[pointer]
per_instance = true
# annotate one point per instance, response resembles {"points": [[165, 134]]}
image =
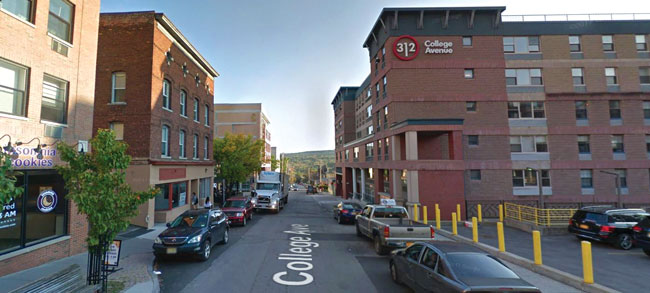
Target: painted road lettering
{"points": [[300, 258]]}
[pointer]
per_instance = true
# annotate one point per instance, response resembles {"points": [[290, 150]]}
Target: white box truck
{"points": [[270, 191]]}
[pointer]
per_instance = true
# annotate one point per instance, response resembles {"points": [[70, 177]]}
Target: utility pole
{"points": [[619, 204]]}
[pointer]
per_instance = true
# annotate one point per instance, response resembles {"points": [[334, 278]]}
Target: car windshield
{"points": [[196, 221], [390, 213], [235, 204], [268, 186], [472, 265], [351, 206]]}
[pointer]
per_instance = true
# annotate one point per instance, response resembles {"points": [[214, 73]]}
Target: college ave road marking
{"points": [[300, 258]]}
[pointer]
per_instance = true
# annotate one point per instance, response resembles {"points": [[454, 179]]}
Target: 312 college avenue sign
{"points": [[406, 47]]}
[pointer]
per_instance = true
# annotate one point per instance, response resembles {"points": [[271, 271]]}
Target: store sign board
{"points": [[8, 215], [113, 253], [28, 157], [47, 201]]}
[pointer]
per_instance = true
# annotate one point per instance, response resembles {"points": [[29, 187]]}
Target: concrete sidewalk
{"points": [[136, 261]]}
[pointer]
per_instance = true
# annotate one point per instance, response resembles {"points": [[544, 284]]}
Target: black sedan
{"points": [[642, 235], [193, 233], [453, 267], [346, 211]]}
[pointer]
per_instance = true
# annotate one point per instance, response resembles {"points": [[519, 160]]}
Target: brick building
{"points": [[465, 106], [155, 90], [48, 51], [248, 119]]}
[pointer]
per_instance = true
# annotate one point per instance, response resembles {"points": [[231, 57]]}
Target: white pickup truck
{"points": [[390, 227]]}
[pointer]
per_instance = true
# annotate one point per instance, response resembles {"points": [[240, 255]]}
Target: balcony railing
{"points": [[576, 17]]}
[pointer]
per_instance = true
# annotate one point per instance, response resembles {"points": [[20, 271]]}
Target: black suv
{"points": [[606, 224], [642, 234]]}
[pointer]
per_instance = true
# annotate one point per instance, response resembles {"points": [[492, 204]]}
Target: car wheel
{"points": [[205, 252], [624, 241], [393, 273], [379, 249], [647, 251], [225, 237], [358, 231]]}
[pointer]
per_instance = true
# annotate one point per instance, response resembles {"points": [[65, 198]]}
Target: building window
{"points": [[13, 85], [356, 152], [521, 44], [581, 110], [205, 147], [470, 106], [385, 83], [118, 87], [610, 75], [171, 195], [586, 179], [528, 144], [118, 129], [181, 143], [368, 93], [526, 110], [467, 41], [165, 141], [165, 93], [386, 145], [196, 110], [578, 76], [644, 75], [524, 76], [370, 130], [646, 109], [377, 90], [379, 149], [347, 155], [369, 150], [206, 114], [614, 109], [617, 144], [469, 73], [608, 43], [574, 44], [60, 20], [475, 174], [647, 143], [23, 9], [622, 175], [195, 146], [183, 101], [583, 144], [472, 139], [369, 111], [55, 95], [641, 45], [528, 177]]}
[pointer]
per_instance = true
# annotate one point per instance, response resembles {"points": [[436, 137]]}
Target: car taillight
{"points": [[386, 232], [637, 229], [432, 232], [344, 211], [607, 229]]}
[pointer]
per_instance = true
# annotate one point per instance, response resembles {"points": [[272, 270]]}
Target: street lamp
{"points": [[539, 184], [618, 186]]}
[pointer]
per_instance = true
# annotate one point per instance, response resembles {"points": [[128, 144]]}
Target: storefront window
{"points": [[179, 194], [11, 221], [162, 198], [174, 192]]}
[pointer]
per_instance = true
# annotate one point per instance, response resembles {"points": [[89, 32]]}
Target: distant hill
{"points": [[299, 164]]}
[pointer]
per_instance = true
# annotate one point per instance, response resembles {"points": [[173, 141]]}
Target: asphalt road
{"points": [[618, 269], [339, 262]]}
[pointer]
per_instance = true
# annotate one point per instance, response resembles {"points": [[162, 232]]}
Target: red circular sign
{"points": [[406, 48]]}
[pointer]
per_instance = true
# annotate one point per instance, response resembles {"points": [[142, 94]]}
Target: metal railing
{"points": [[576, 17], [539, 217]]}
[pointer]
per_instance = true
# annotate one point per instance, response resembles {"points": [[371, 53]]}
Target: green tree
{"points": [[275, 163], [237, 156], [8, 189], [96, 183]]}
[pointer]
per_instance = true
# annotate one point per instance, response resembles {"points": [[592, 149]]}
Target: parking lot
{"points": [[612, 267]]}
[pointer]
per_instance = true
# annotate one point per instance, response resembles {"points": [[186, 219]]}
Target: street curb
{"points": [[544, 270], [154, 278]]}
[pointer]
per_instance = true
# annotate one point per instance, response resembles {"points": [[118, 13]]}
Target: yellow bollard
{"points": [[502, 242], [537, 247], [587, 266], [458, 212], [474, 230], [454, 227], [424, 214], [437, 217], [480, 216], [500, 213], [415, 212]]}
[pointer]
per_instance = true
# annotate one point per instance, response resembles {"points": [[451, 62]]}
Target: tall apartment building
{"points": [[466, 106], [248, 119], [156, 91], [48, 51]]}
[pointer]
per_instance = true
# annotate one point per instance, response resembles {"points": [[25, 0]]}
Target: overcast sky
{"points": [[292, 55]]}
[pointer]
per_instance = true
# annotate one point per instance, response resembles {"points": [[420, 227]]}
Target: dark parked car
{"points": [[239, 210], [606, 224], [193, 233], [346, 211], [453, 267], [642, 234], [311, 189]]}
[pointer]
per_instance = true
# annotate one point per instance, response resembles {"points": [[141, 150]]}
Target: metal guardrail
{"points": [[576, 17], [539, 217]]}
